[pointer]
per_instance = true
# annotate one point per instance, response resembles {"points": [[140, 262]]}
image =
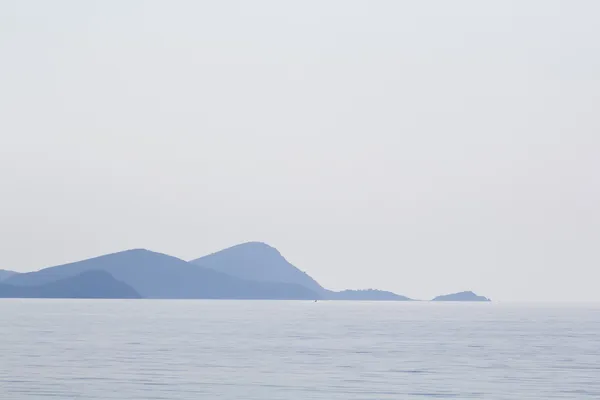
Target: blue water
{"points": [[253, 350]]}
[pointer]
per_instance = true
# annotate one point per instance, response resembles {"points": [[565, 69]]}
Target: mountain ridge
{"points": [[257, 261], [252, 270], [158, 275], [262, 262]]}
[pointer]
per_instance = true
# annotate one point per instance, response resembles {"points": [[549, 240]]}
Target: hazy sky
{"points": [[423, 147]]}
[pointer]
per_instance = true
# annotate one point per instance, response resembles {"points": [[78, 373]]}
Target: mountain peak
{"points": [[132, 251], [257, 261], [255, 246]]}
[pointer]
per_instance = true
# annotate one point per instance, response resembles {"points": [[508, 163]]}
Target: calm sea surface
{"points": [[254, 350]]}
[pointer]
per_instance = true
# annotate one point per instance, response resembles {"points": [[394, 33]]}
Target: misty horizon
{"points": [[421, 148]]}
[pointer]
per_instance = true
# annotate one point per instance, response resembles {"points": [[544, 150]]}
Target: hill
{"points": [[155, 275], [260, 262], [246, 271], [257, 262], [89, 284], [461, 296], [4, 274]]}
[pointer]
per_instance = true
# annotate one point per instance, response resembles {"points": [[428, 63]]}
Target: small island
{"points": [[461, 296]]}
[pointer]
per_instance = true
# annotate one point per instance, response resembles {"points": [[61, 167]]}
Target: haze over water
{"points": [[375, 144], [266, 350]]}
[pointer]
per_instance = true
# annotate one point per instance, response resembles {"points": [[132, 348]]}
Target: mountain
{"points": [[462, 296], [155, 275], [260, 262], [247, 271], [4, 274], [368, 295], [89, 284], [257, 262]]}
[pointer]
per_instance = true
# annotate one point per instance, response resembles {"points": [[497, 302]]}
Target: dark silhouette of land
{"points": [[461, 296], [88, 285], [247, 271]]}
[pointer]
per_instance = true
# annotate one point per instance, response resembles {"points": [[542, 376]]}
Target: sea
{"points": [[297, 350]]}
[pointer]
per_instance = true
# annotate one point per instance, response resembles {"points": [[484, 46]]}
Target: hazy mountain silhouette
{"points": [[260, 262], [155, 275], [368, 294], [257, 262], [4, 274], [461, 296], [88, 284], [247, 271]]}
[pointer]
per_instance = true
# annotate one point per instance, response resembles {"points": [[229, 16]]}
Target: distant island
{"points": [[461, 296], [247, 271]]}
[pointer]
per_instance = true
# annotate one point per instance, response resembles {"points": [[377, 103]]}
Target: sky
{"points": [[423, 147]]}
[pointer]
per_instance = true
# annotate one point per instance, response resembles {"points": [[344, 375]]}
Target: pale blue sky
{"points": [[422, 147]]}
